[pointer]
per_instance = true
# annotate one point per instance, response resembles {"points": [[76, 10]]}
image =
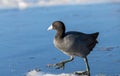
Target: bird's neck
{"points": [[60, 34]]}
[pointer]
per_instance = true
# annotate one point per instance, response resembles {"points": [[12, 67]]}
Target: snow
{"points": [[35, 73], [38, 73], [23, 4], [25, 43]]}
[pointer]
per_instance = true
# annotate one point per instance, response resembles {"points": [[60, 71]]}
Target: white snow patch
{"points": [[22, 4], [38, 73]]}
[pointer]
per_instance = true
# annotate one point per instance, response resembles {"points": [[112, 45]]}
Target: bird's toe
{"points": [[60, 65], [82, 73], [57, 65]]}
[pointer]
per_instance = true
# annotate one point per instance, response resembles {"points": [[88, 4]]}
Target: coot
{"points": [[73, 44]]}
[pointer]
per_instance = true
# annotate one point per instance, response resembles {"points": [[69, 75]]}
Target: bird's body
{"points": [[73, 43], [76, 43]]}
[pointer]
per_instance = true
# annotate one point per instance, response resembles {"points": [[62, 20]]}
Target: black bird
{"points": [[73, 44]]}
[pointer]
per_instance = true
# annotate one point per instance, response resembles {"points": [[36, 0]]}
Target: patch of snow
{"points": [[38, 73], [22, 4]]}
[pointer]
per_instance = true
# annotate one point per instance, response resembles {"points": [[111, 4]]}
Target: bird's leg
{"points": [[87, 66], [61, 64], [87, 72]]}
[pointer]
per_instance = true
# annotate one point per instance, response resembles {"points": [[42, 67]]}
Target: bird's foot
{"points": [[60, 65], [82, 73]]}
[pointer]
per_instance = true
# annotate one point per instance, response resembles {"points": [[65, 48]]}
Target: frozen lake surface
{"points": [[25, 43]]}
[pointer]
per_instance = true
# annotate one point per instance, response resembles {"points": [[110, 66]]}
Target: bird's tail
{"points": [[95, 35], [92, 45]]}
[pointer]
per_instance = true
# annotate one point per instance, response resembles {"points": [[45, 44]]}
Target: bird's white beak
{"points": [[50, 28]]}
